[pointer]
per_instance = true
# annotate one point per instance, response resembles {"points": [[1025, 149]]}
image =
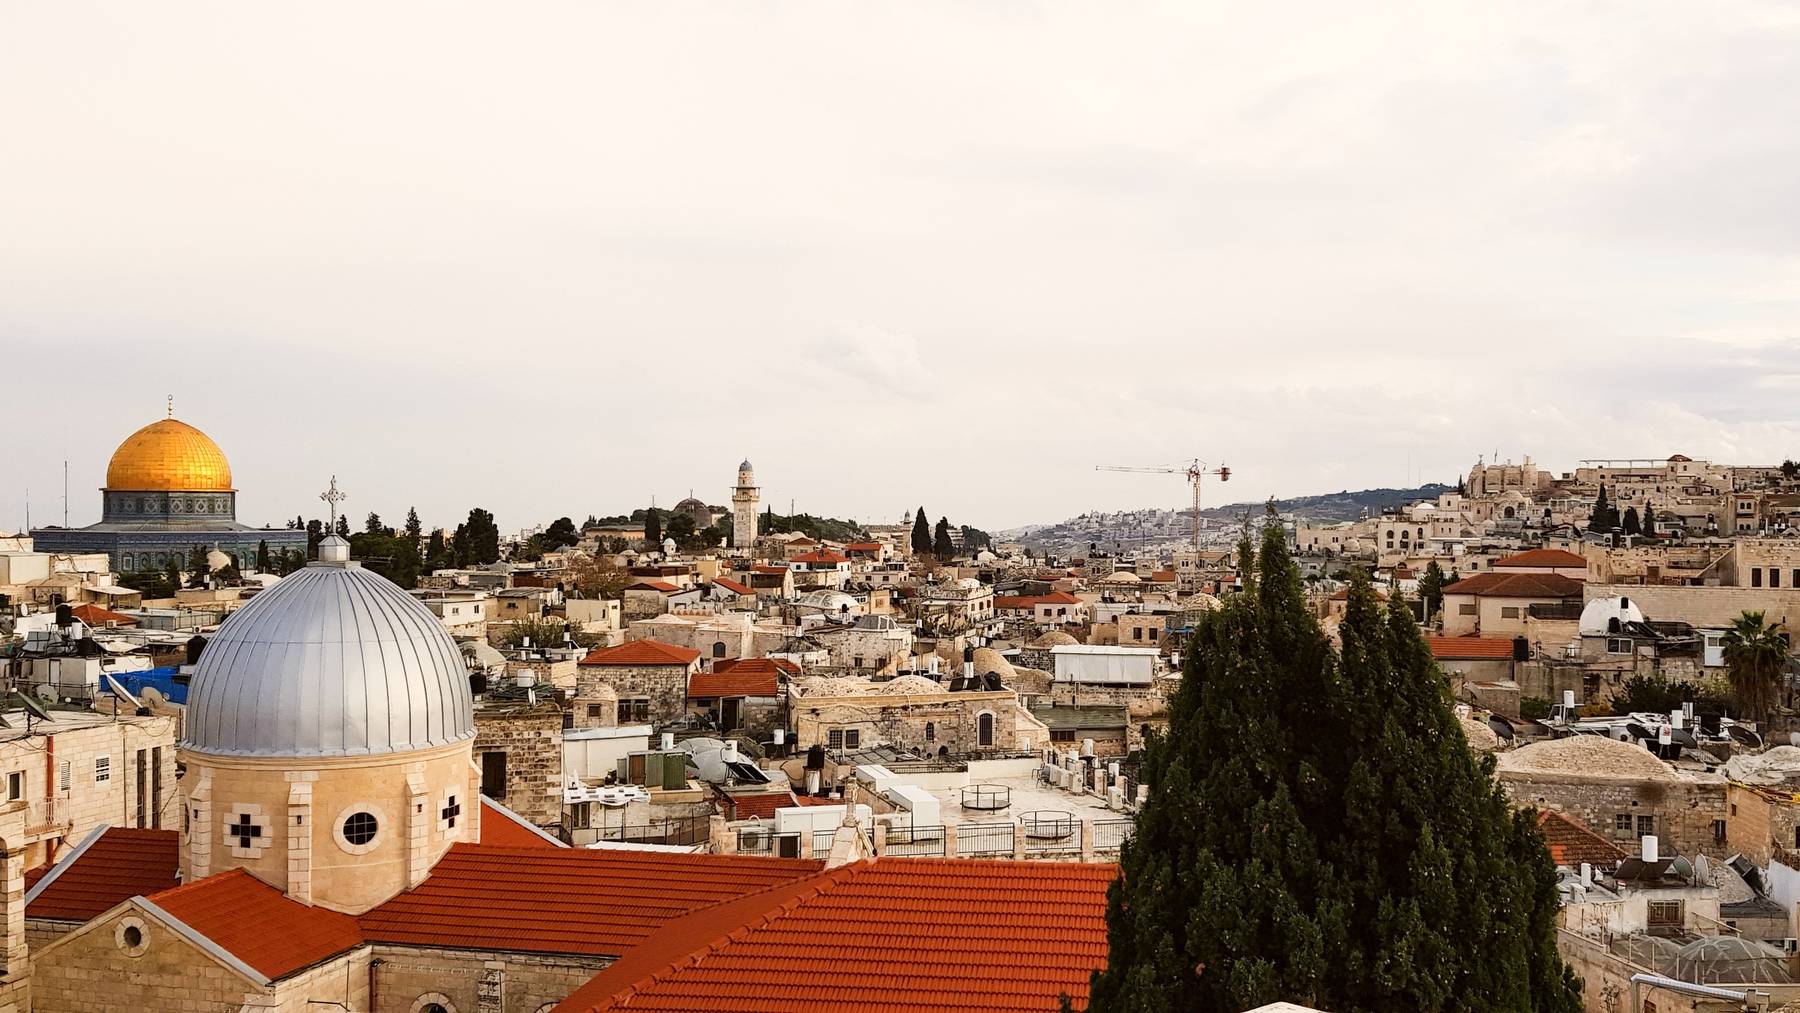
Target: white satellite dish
{"points": [[120, 693]]}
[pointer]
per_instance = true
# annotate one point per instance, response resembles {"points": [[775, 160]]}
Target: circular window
{"points": [[132, 937], [360, 827]]}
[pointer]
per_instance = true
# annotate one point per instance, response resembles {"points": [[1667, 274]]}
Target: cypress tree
{"points": [[1319, 832], [653, 533], [921, 534], [262, 556], [941, 545], [1630, 523]]}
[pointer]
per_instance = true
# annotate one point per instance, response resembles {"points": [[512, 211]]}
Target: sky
{"points": [[558, 259]]}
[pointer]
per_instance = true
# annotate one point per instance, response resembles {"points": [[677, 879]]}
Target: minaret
{"points": [[744, 500]]}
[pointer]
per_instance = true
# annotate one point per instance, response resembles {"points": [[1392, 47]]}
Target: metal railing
{"points": [[821, 842], [984, 839], [990, 797], [1111, 835], [678, 830], [917, 841]]}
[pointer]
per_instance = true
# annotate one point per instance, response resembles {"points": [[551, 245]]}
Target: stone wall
{"points": [[1684, 811], [75, 755], [531, 737], [664, 685], [512, 982], [1705, 607], [1760, 823], [928, 723]]}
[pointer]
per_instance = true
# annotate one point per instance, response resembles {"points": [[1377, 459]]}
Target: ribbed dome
{"points": [[332, 661], [169, 455]]}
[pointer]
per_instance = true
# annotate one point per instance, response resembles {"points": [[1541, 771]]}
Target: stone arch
{"points": [[433, 1002]]}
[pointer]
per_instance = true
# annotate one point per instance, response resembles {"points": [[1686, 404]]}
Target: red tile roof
{"points": [[1470, 648], [771, 665], [573, 900], [756, 806], [653, 585], [1542, 557], [1163, 576], [731, 585], [863, 547], [95, 615], [120, 864], [822, 556], [897, 935], [1572, 844], [1516, 585], [739, 680], [1029, 601], [768, 568], [641, 652], [501, 826], [258, 924]]}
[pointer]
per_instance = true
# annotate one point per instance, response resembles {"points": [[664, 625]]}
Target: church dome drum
{"points": [[334, 660]]}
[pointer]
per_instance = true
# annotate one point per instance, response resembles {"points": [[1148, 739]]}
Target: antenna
{"points": [[65, 492]]}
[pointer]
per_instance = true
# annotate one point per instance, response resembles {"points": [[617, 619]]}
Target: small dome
{"points": [[746, 465], [169, 456], [1055, 638], [332, 661], [1598, 615], [1123, 577], [216, 560], [989, 660]]}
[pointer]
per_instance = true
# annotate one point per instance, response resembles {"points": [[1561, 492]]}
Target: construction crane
{"points": [[1195, 470]]}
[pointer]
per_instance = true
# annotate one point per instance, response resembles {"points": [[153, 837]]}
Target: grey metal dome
{"points": [[332, 661]]}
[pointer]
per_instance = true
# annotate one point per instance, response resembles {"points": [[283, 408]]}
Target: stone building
{"points": [[649, 678], [744, 500], [911, 712], [743, 696], [518, 748], [1620, 791], [86, 769]]}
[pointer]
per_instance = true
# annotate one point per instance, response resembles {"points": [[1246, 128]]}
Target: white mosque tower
{"points": [[328, 740], [744, 500]]}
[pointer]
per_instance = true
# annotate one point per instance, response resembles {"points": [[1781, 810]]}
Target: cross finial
{"points": [[332, 498]]}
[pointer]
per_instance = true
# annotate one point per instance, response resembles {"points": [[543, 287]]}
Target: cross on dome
{"points": [[332, 498]]}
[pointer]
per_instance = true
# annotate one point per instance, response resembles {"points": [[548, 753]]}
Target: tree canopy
{"points": [[1319, 832], [1755, 655], [921, 534], [941, 545]]}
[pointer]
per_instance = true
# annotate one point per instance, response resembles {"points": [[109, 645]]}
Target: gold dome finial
{"points": [[171, 412]]}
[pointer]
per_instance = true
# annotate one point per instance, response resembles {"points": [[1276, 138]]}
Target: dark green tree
{"points": [[315, 533], [372, 524], [680, 528], [560, 534], [342, 527], [1318, 830], [921, 534], [393, 556], [414, 530], [975, 538], [1790, 469], [1647, 524], [437, 554], [1630, 521], [483, 538], [198, 569], [591, 522], [1604, 517], [1431, 589], [941, 545], [653, 529], [1755, 655], [459, 546], [263, 562]]}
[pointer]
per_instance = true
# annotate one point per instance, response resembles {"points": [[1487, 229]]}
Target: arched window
{"points": [[718, 648], [984, 729], [1508, 514], [930, 731]]}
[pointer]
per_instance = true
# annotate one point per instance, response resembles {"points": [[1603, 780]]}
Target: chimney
{"points": [[1648, 851]]}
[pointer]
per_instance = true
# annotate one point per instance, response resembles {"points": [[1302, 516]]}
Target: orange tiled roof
{"points": [[771, 665], [731, 585], [571, 900], [95, 615], [756, 806], [863, 547], [1542, 557], [653, 585], [1028, 601], [900, 935], [258, 924], [1517, 585], [501, 826], [641, 652], [1470, 648], [120, 864], [1163, 576], [821, 556], [768, 568], [1572, 844], [739, 680]]}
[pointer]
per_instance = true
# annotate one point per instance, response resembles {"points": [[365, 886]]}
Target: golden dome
{"points": [[169, 456]]}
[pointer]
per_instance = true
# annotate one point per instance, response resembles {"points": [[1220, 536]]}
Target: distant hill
{"points": [[1151, 526]]}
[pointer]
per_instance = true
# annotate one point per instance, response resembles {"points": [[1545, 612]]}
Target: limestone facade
{"points": [[654, 693], [530, 735], [1689, 814]]}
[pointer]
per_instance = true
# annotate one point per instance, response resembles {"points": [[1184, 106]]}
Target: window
{"points": [[1665, 912], [930, 731], [1622, 823], [493, 775], [1618, 645], [156, 791], [1646, 825], [451, 811], [1718, 831], [844, 738], [1466, 609], [593, 711], [1756, 576], [15, 786], [634, 710], [360, 827], [63, 774], [1774, 576], [718, 649], [102, 769], [834, 739], [984, 729], [1509, 611], [1797, 838], [245, 831], [143, 782], [133, 937], [1137, 633], [1062, 735]]}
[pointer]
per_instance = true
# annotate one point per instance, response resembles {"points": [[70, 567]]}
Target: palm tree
{"points": [[1755, 655]]}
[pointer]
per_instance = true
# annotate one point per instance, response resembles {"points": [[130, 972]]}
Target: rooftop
{"points": [[1470, 648], [1516, 585], [1541, 557], [642, 652], [110, 865], [235, 911]]}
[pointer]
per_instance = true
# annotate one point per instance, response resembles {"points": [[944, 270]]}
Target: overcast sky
{"points": [[556, 259]]}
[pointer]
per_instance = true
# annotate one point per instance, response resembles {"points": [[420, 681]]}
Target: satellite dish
{"points": [[1501, 728], [152, 696], [122, 694], [34, 708], [44, 691]]}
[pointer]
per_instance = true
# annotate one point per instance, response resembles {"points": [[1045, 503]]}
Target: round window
{"points": [[359, 827], [133, 936]]}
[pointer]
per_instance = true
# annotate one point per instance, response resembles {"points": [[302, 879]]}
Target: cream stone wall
{"points": [[531, 737], [1705, 607], [455, 978], [74, 754], [954, 720], [1684, 811], [301, 807]]}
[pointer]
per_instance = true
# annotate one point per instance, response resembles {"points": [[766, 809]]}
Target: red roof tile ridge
{"points": [[675, 954]]}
